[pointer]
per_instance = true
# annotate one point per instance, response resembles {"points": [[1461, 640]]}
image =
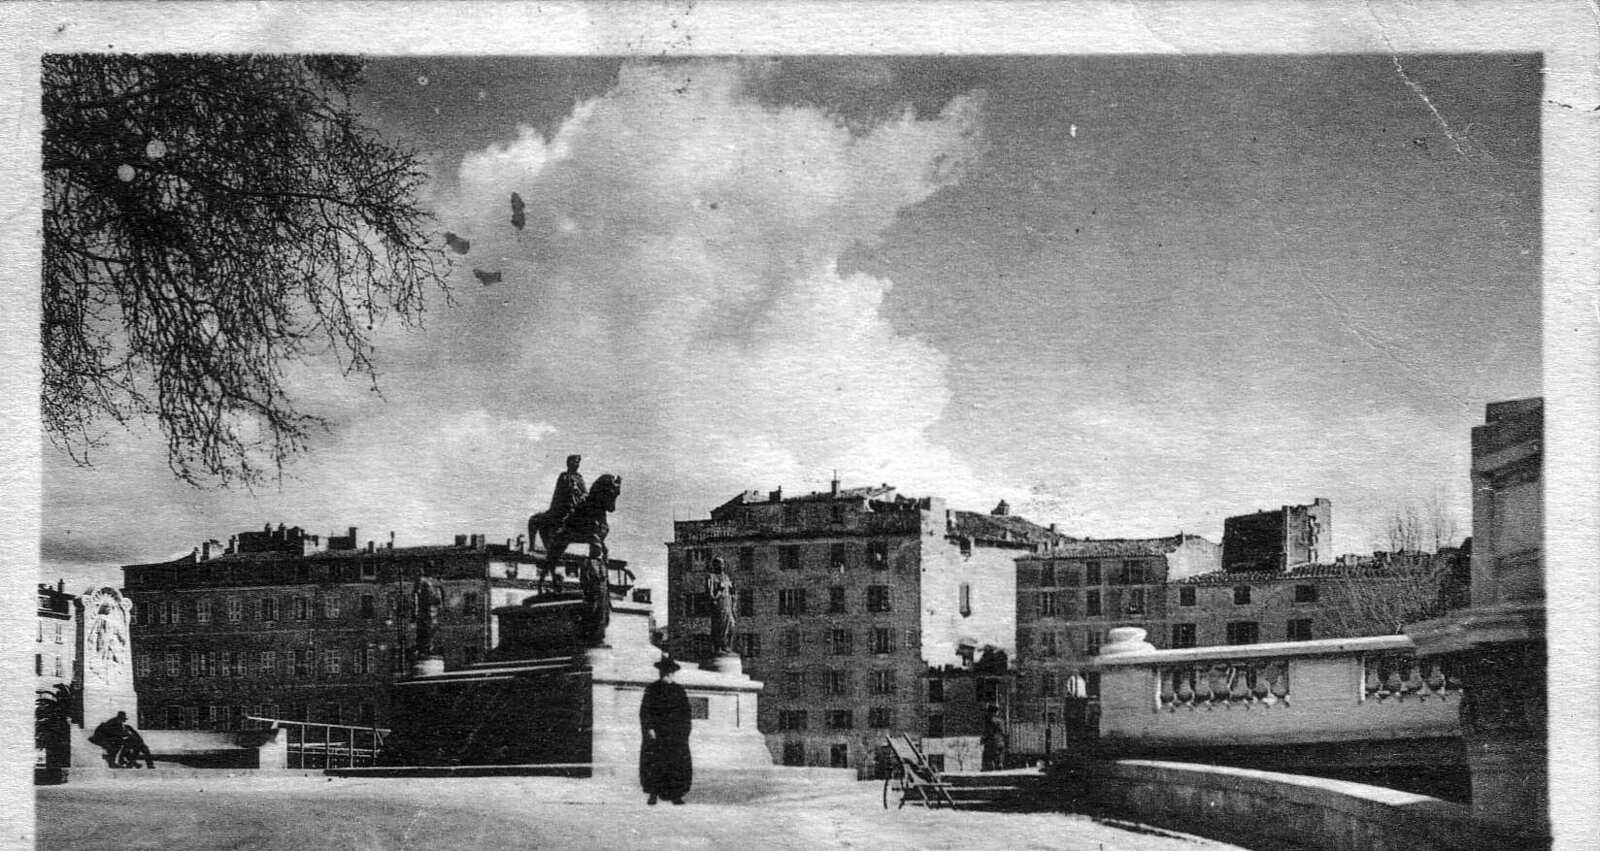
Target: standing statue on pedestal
{"points": [[427, 599], [719, 587], [585, 524]]}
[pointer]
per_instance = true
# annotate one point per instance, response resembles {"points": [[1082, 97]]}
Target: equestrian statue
{"points": [[579, 519]]}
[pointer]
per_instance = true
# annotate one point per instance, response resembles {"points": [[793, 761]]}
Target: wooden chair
{"points": [[912, 775]]}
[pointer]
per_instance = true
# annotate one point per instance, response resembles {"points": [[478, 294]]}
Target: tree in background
{"points": [[208, 222]]}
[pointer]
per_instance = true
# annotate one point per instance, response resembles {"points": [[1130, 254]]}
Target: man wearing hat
{"points": [[665, 767]]}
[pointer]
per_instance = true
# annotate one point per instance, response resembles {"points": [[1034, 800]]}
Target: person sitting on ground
{"points": [[110, 737], [134, 749]]}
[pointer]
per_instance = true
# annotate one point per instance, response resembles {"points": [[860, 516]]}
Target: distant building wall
{"points": [[1279, 538]]}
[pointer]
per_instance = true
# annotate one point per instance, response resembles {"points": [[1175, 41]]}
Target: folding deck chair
{"points": [[911, 774]]}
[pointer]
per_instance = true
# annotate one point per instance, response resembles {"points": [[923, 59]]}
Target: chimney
{"points": [[1052, 528], [61, 586], [391, 539], [834, 485], [1001, 510], [461, 540], [776, 496], [371, 546], [233, 544], [205, 551], [520, 540]]}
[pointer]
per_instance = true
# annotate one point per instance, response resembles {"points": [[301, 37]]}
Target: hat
{"points": [[666, 665]]}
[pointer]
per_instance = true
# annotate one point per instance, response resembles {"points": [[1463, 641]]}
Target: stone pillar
{"points": [[105, 668]]}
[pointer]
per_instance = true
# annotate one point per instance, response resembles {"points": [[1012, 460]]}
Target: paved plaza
{"points": [[297, 813]]}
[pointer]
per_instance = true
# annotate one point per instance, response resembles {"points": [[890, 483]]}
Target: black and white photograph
{"points": [[1118, 425]]}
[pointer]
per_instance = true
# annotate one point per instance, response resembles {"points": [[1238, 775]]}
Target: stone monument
{"points": [[105, 656]]}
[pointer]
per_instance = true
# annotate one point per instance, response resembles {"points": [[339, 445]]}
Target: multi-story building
{"points": [[1279, 539], [856, 607], [287, 625], [1071, 595], [55, 657]]}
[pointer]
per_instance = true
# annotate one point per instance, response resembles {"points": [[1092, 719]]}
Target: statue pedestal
{"points": [[725, 663], [544, 699], [427, 666]]}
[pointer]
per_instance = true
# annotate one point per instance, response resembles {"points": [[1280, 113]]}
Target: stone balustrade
{"points": [[1330, 690]]}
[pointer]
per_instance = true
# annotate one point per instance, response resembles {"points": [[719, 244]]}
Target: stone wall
{"points": [[1267, 810]]}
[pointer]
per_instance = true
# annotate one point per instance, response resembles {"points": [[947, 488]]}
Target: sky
{"points": [[1128, 295]]}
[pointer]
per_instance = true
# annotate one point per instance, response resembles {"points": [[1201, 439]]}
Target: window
{"points": [[230, 664], [841, 719], [880, 717], [1091, 603], [699, 708], [1136, 601], [170, 612], [332, 713], [697, 605], [1091, 573], [747, 558], [202, 610], [791, 642], [332, 661], [747, 603], [303, 662], [838, 683], [843, 642], [789, 558], [369, 569], [173, 663], [1183, 635], [878, 554], [836, 600], [1133, 573], [794, 753], [698, 559], [965, 601], [1186, 595], [144, 612], [1049, 684], [1243, 632], [1241, 595], [330, 606], [700, 646], [935, 690], [794, 683], [791, 719], [369, 606], [837, 557], [470, 603], [751, 644], [883, 681], [1050, 603], [267, 663], [269, 608], [1091, 684], [141, 665], [792, 601], [1300, 629], [882, 640], [1092, 641], [1305, 593], [38, 664], [58, 631], [1049, 643], [936, 726], [302, 609], [235, 609], [878, 598], [1047, 575]]}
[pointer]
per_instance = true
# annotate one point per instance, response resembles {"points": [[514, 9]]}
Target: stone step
{"points": [[55, 776]]}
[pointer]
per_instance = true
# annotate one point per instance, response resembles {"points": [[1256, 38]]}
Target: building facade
{"points": [[865, 612], [1279, 539], [55, 654], [282, 624], [1070, 596]]}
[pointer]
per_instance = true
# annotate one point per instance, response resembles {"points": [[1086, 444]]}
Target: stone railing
{"points": [[1329, 690]]}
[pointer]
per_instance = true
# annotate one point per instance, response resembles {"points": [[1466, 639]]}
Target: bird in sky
{"points": [[517, 219], [486, 278]]}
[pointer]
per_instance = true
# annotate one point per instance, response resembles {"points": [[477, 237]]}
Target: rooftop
{"points": [[1117, 547], [1306, 571]]}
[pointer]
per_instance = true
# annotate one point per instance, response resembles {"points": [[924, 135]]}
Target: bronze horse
{"points": [[584, 524]]}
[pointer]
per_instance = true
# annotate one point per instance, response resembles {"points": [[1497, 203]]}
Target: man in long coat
{"points": [[665, 767]]}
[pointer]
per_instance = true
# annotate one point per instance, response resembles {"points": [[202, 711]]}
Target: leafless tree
{"points": [[209, 221], [1414, 527], [1382, 599]]}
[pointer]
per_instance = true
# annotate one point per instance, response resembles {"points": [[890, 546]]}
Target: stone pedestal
{"points": [[725, 663], [105, 657], [427, 666], [544, 699]]}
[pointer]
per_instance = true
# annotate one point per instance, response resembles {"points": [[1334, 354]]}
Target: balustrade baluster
{"points": [[1186, 695], [1413, 684], [1168, 693]]}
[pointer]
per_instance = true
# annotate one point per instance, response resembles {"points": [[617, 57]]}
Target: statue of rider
{"points": [[570, 488]]}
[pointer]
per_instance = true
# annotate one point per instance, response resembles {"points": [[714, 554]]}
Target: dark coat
{"points": [[665, 767]]}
